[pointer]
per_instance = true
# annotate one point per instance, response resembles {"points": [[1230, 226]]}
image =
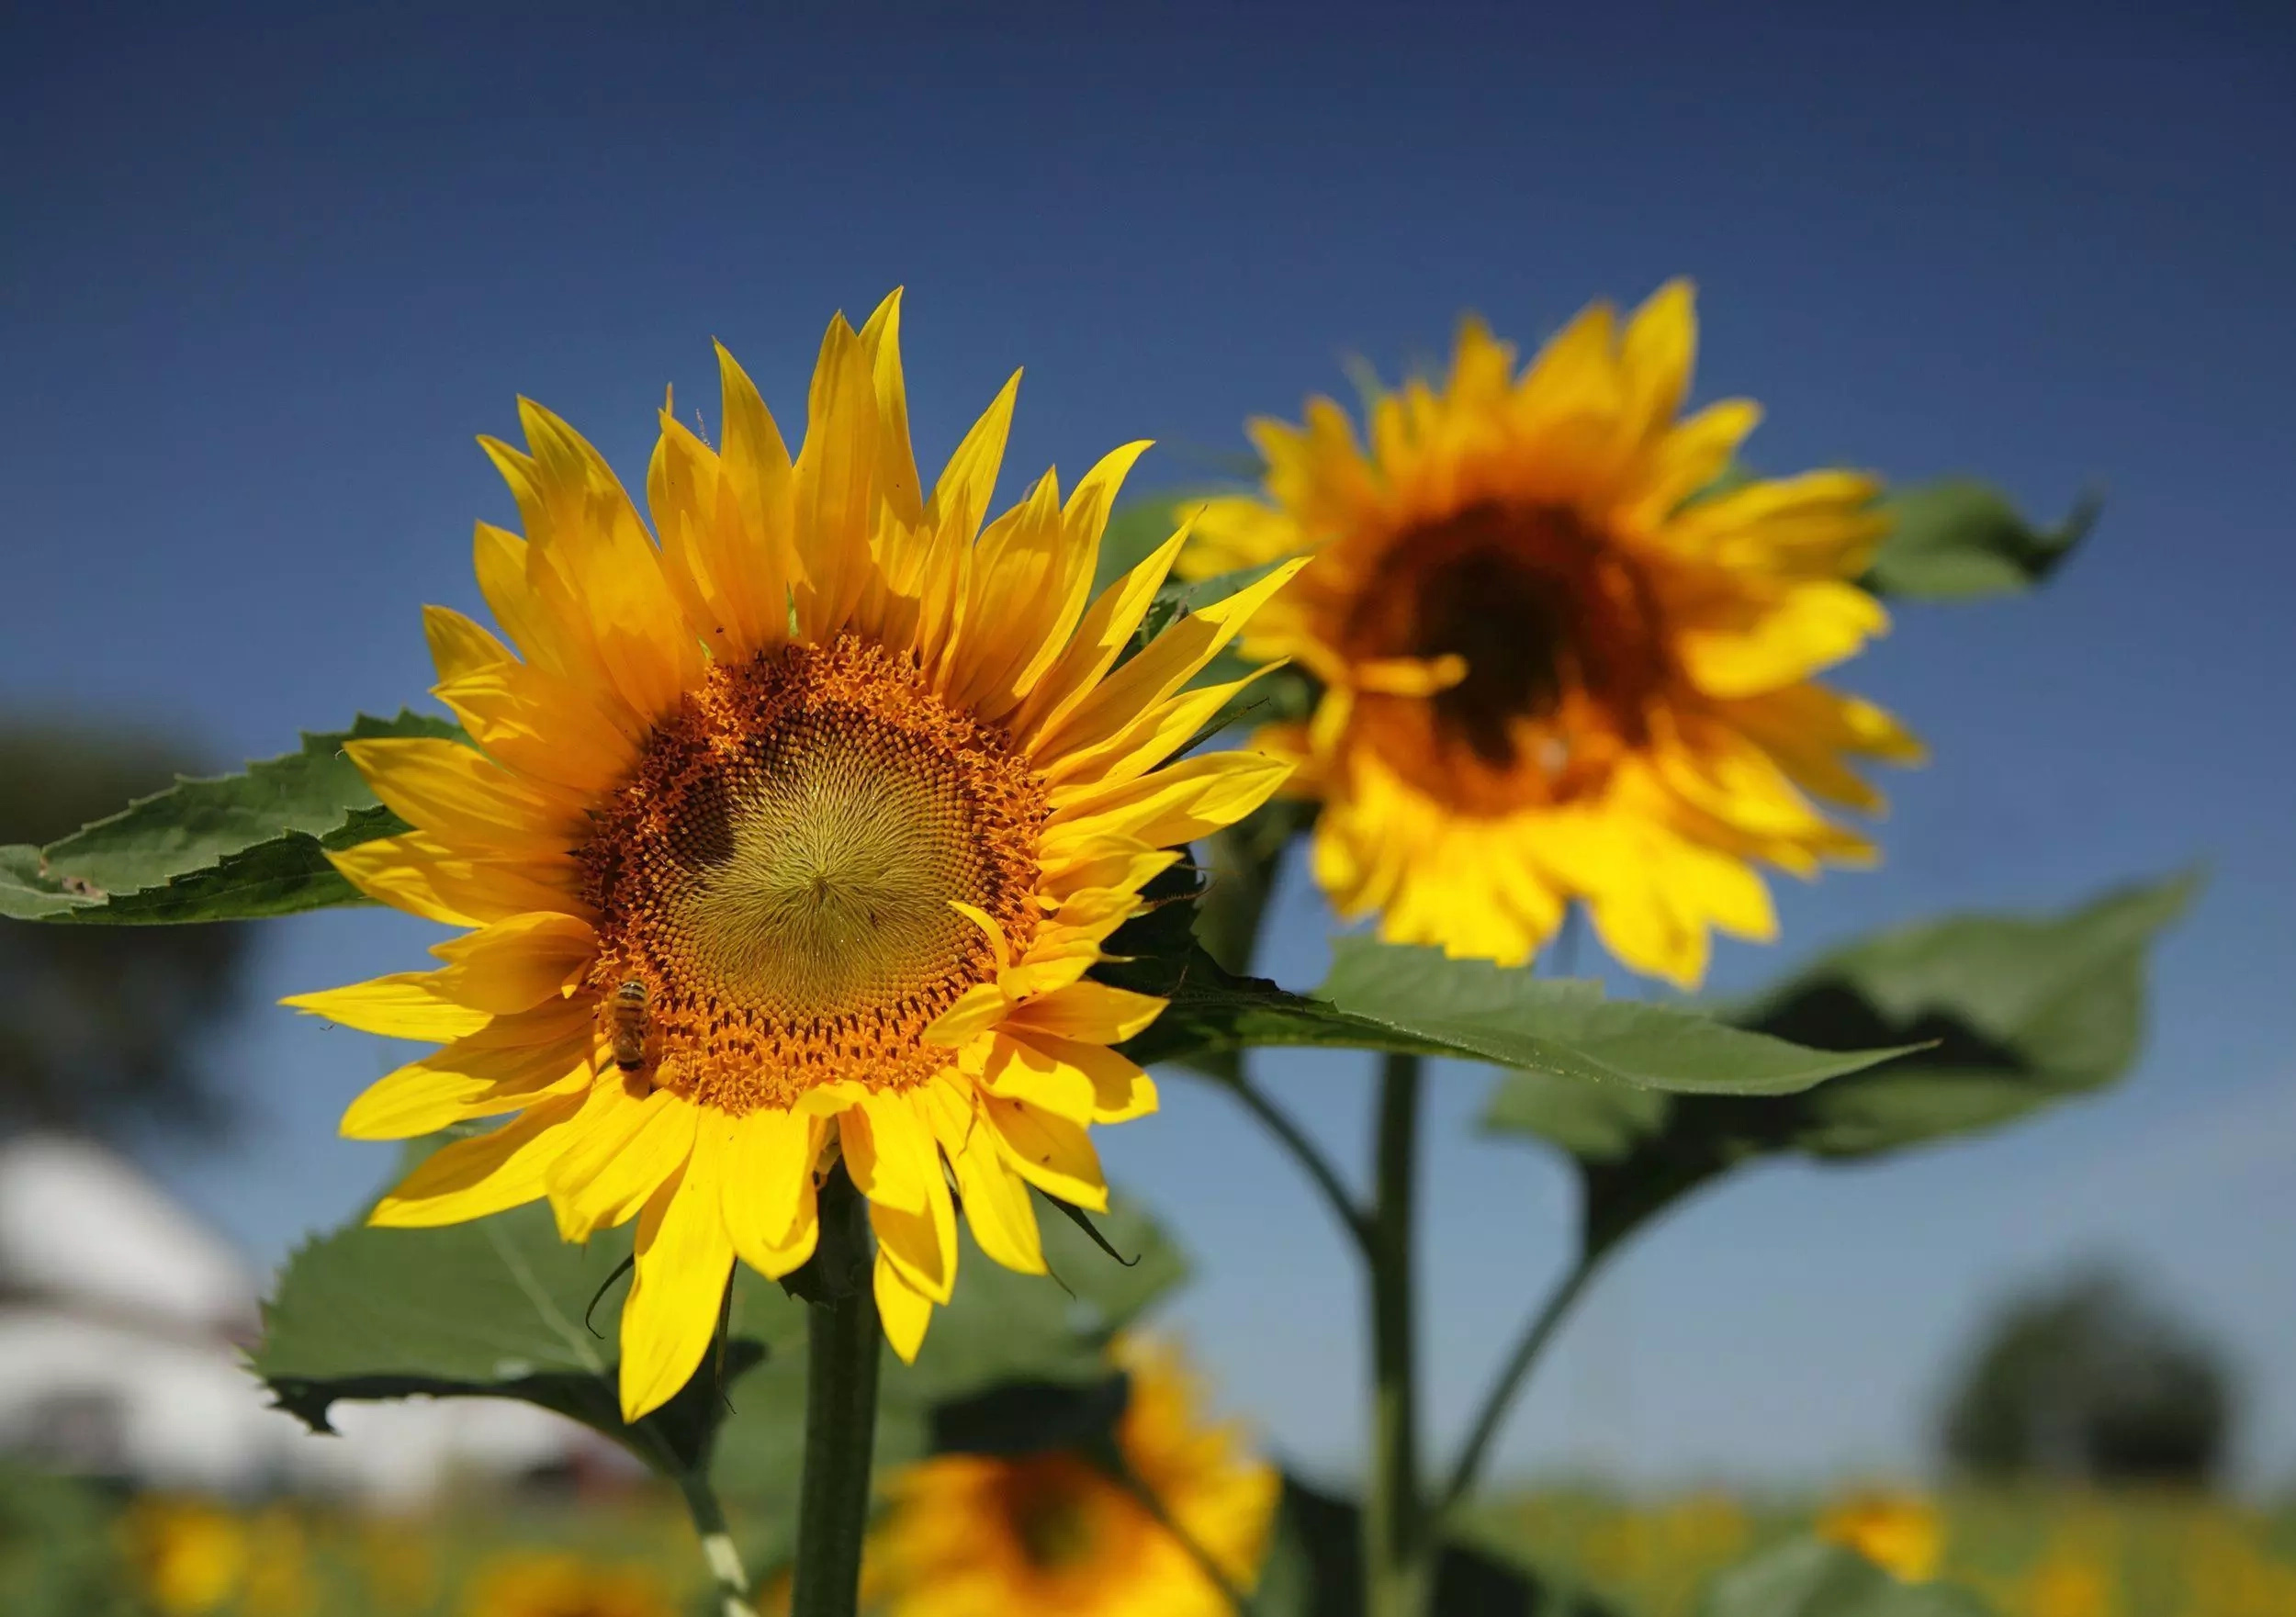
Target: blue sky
{"points": [[266, 278]]}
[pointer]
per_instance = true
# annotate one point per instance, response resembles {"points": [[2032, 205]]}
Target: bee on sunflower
{"points": [[1562, 657], [788, 834]]}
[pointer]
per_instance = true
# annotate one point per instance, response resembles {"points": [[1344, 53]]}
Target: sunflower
{"points": [[555, 1585], [1901, 1534], [191, 1555], [1562, 658], [980, 1537], [788, 837]]}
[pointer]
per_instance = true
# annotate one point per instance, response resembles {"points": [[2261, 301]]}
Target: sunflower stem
{"points": [[1537, 1331], [1303, 1151], [841, 1424], [1397, 1562], [717, 1544]]}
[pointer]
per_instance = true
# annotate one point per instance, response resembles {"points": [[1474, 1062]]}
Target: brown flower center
{"points": [[1048, 1502], [778, 874], [1562, 643]]}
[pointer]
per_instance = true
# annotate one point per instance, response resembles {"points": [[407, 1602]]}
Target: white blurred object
{"points": [[122, 1328]]}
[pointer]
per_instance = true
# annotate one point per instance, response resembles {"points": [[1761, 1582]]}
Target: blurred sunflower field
{"points": [[2033, 1552]]}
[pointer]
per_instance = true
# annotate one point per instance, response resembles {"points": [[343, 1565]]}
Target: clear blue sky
{"points": [[264, 280]]}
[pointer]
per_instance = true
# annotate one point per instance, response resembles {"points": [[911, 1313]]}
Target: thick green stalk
{"points": [[1398, 1553], [840, 1418]]}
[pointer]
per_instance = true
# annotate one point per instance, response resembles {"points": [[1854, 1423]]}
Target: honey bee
{"points": [[625, 1015]]}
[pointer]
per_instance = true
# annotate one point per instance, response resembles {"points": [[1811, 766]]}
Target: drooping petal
{"points": [[684, 1258], [623, 1150], [1051, 1152], [905, 1310], [996, 1200], [768, 1171], [888, 1151]]}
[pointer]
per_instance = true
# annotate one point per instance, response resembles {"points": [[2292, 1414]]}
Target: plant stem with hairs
{"points": [[1398, 1550], [840, 1412]]}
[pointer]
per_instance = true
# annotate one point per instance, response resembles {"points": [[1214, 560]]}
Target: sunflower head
{"points": [[1560, 660], [190, 1557], [557, 1584], [791, 825], [980, 1537], [1902, 1534]]}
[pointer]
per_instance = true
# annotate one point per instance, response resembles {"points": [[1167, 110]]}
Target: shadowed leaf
{"points": [[2014, 1012], [1961, 540], [1391, 997]]}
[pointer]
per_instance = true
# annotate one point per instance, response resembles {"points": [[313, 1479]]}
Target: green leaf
{"points": [[232, 848], [1416, 1001], [495, 1307], [2010, 1013], [1810, 1577], [1960, 540], [1314, 1568]]}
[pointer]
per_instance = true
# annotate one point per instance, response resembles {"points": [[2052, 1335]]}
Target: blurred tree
{"points": [[103, 1029], [2091, 1382]]}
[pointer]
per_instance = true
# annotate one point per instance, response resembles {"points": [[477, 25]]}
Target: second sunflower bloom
{"points": [[1560, 660]]}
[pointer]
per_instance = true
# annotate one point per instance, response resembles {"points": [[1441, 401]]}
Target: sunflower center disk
{"points": [[780, 875], [1562, 645], [1049, 1503]]}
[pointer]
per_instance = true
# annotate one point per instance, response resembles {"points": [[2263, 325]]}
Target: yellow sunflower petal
{"points": [[622, 1153], [905, 1310], [769, 1170], [684, 1258], [514, 963], [408, 1004], [507, 1065], [458, 645], [419, 873], [969, 481], [1091, 1011], [1020, 1072], [471, 1178], [1160, 668], [837, 482], [548, 641], [1179, 804], [1233, 532], [576, 506], [921, 1243], [446, 788], [1120, 1089], [996, 1200], [1813, 626], [889, 1151], [1108, 627], [539, 725], [1051, 1152]]}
